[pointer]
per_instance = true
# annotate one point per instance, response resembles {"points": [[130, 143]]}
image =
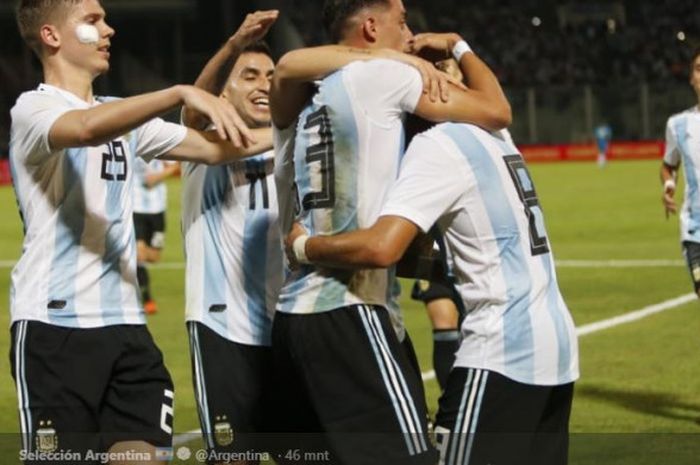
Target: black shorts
{"points": [[344, 373], [233, 389], [150, 228], [427, 291], [87, 389], [485, 418], [691, 252]]}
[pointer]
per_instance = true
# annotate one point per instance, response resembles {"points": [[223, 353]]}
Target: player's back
{"points": [[349, 141], [493, 226]]}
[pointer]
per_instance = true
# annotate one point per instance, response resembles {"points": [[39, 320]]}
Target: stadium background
{"points": [[566, 68]]}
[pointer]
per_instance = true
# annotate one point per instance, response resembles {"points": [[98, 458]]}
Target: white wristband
{"points": [[670, 184], [460, 49], [299, 247]]}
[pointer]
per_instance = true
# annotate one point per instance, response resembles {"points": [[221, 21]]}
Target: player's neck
{"points": [[75, 81], [355, 42]]}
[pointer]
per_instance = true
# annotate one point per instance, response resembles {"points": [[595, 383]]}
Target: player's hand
{"points": [[296, 231], [221, 113], [435, 82], [669, 202], [152, 180], [434, 46], [255, 26]]}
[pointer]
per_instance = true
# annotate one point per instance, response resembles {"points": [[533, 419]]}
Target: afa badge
{"points": [[46, 438], [223, 433]]}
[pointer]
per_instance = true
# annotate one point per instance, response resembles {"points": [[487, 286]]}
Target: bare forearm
{"points": [[291, 84], [352, 250], [310, 64], [484, 84], [105, 122], [206, 147]]}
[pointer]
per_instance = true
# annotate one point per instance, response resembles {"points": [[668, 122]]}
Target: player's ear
{"points": [[369, 29], [50, 36]]}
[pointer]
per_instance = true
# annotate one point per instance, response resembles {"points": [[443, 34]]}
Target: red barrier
{"points": [[5, 177], [588, 152]]}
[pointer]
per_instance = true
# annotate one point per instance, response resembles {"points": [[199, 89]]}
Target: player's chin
{"points": [[102, 67]]}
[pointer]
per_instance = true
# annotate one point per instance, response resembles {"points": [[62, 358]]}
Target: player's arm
{"points": [[153, 179], [669, 171], [380, 246], [296, 70], [102, 123], [213, 77], [483, 103], [208, 148], [668, 181]]}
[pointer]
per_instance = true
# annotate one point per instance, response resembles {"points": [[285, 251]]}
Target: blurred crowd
{"points": [[528, 42]]}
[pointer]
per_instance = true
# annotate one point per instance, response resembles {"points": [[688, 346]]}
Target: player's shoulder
{"points": [[468, 136], [682, 115], [381, 69], [32, 98]]}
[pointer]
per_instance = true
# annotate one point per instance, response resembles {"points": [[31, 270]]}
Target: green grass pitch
{"points": [[638, 400]]}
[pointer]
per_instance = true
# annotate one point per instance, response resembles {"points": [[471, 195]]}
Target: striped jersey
{"points": [[683, 146], [149, 200], [346, 153], [476, 187], [78, 263], [232, 247]]}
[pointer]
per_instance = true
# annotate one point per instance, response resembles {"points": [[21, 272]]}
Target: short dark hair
{"points": [[337, 12], [259, 47], [32, 14]]}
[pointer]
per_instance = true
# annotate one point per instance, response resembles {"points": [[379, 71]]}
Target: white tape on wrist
{"points": [[299, 247], [669, 185], [460, 49]]}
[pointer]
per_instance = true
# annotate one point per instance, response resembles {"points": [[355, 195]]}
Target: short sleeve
{"points": [[386, 88], [430, 183], [157, 137], [671, 153], [32, 118]]}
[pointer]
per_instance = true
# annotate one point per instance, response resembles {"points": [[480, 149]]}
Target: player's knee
{"points": [[153, 255], [443, 314], [141, 252]]}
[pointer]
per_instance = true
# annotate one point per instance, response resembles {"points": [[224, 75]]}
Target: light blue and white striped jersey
{"points": [[346, 153], [683, 146], [476, 187], [233, 247], [78, 263], [149, 200]]}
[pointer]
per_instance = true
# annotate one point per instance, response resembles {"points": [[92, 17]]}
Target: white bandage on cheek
{"points": [[87, 34]]}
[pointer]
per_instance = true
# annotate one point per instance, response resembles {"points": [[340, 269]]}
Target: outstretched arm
{"points": [[206, 147], [215, 73], [102, 123], [483, 103], [296, 70], [380, 246]]}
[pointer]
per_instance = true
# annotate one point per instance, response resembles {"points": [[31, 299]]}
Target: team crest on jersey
{"points": [[46, 438], [223, 433]]}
